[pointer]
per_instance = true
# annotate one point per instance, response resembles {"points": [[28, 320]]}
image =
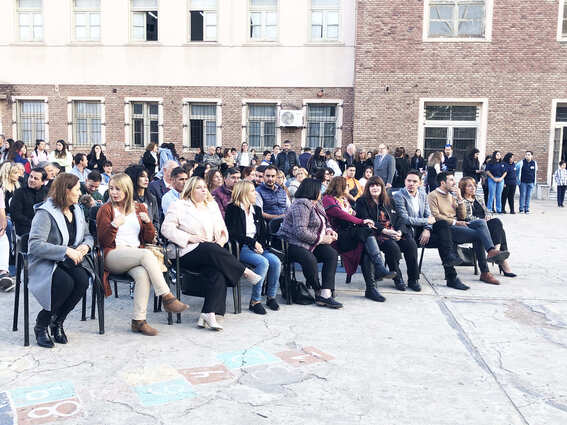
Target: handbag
{"points": [[158, 253], [467, 255], [300, 293]]}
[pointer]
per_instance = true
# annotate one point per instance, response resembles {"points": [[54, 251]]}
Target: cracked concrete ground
{"points": [[491, 355]]}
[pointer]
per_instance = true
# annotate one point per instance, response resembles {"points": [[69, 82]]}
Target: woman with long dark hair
{"points": [[361, 162], [417, 161], [150, 160], [471, 165], [317, 161], [495, 173], [140, 181], [96, 159], [39, 154], [509, 183], [402, 168], [18, 154], [61, 156]]}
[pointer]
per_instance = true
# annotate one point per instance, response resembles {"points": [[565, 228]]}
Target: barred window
{"points": [[263, 18], [87, 123], [325, 20], [457, 18], [145, 123], [87, 20], [564, 26], [261, 126], [30, 120], [30, 20], [561, 113], [321, 126], [144, 20], [202, 125], [203, 20]]}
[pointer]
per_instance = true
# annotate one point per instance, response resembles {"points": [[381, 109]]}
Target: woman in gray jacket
{"points": [[59, 276]]}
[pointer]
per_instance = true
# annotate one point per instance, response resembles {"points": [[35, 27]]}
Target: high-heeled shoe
{"points": [[506, 273], [209, 321]]}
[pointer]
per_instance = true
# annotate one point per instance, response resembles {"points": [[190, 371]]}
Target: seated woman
{"points": [[475, 210], [247, 226], [352, 239], [195, 224], [300, 175], [309, 234], [59, 275], [375, 205], [140, 179], [123, 227]]}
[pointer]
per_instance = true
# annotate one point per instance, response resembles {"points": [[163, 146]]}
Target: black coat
{"points": [[21, 207], [316, 164], [291, 161], [417, 162], [470, 166], [96, 164], [236, 224], [367, 208], [402, 168], [361, 166], [149, 163]]}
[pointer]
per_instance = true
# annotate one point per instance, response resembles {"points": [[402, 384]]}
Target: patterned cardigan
{"points": [[469, 216]]}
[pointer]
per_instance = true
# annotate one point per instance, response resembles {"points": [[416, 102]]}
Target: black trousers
{"points": [[393, 252], [218, 268], [561, 195], [485, 192], [497, 233], [508, 195], [308, 260], [68, 285], [441, 239]]}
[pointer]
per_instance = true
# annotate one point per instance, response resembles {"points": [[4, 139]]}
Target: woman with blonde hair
{"points": [[123, 228], [247, 226], [280, 181], [195, 224], [9, 181], [434, 163], [294, 184]]}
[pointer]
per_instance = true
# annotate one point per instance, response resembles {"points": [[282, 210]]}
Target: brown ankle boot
{"points": [[487, 277], [142, 327], [172, 304]]}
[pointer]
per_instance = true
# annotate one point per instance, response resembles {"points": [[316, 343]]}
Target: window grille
{"points": [[202, 125], [261, 126], [87, 123], [30, 120], [457, 18], [145, 123], [321, 126]]}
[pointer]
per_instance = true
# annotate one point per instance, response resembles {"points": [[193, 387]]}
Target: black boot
{"points": [[56, 327], [399, 280], [371, 287], [42, 336]]}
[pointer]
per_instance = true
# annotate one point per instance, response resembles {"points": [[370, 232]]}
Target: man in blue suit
{"points": [[413, 212]]}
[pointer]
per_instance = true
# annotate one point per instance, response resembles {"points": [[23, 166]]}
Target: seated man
{"points": [[354, 189], [80, 169], [178, 179], [259, 175], [223, 194], [444, 203], [25, 198], [414, 214], [272, 198], [161, 184]]}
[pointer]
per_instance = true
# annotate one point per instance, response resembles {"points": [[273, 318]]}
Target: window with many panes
{"points": [[456, 125], [321, 126], [263, 17], [325, 20], [30, 120], [145, 123], [560, 136], [30, 20], [87, 123], [203, 20], [457, 18], [261, 126], [86, 16], [144, 20], [563, 20], [202, 125]]}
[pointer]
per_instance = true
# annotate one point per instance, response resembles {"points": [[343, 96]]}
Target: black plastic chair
{"points": [[474, 262], [280, 247]]}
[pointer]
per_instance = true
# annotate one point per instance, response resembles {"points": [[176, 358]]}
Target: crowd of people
{"points": [[354, 205]]}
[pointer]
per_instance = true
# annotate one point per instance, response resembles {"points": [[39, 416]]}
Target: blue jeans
{"points": [[476, 232], [495, 191], [266, 264], [525, 195]]}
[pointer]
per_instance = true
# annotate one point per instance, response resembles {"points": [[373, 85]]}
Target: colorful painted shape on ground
{"points": [[53, 411], [45, 393], [245, 358], [164, 392], [6, 413], [309, 355], [206, 375]]}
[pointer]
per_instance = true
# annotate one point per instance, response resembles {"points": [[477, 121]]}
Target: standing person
{"points": [[18, 154], [509, 183], [62, 156], [7, 283], [140, 183], [402, 168], [350, 154], [123, 228], [335, 163], [166, 153], [360, 164], [223, 194], [417, 162], [434, 163], [39, 154], [496, 173], [107, 174], [484, 179], [243, 158], [295, 182], [450, 161], [178, 178], [526, 171], [384, 165], [59, 276], [305, 157], [213, 178], [317, 161], [560, 179], [80, 169], [150, 159], [471, 165], [247, 226], [96, 159], [275, 152], [287, 158]]}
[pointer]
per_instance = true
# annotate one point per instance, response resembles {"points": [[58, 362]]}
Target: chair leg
{"points": [[475, 263], [84, 308], [93, 301], [155, 304], [26, 307], [421, 258], [17, 297], [287, 281], [100, 304], [115, 289], [178, 280]]}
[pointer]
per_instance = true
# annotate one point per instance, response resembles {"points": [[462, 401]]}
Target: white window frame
{"points": [[131, 22], [246, 103], [263, 11], [206, 12], [554, 124], [89, 11], [561, 16], [15, 106], [489, 10], [481, 123], [339, 122], [325, 10], [70, 112], [128, 120], [29, 11], [187, 102]]}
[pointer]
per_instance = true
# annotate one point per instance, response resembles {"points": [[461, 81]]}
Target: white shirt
{"points": [[414, 202], [128, 233], [250, 226], [244, 159]]}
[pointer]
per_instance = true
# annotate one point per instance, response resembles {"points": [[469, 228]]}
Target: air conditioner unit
{"points": [[291, 118]]}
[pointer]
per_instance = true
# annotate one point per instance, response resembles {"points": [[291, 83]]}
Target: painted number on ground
{"points": [[205, 375], [49, 412], [307, 356]]}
